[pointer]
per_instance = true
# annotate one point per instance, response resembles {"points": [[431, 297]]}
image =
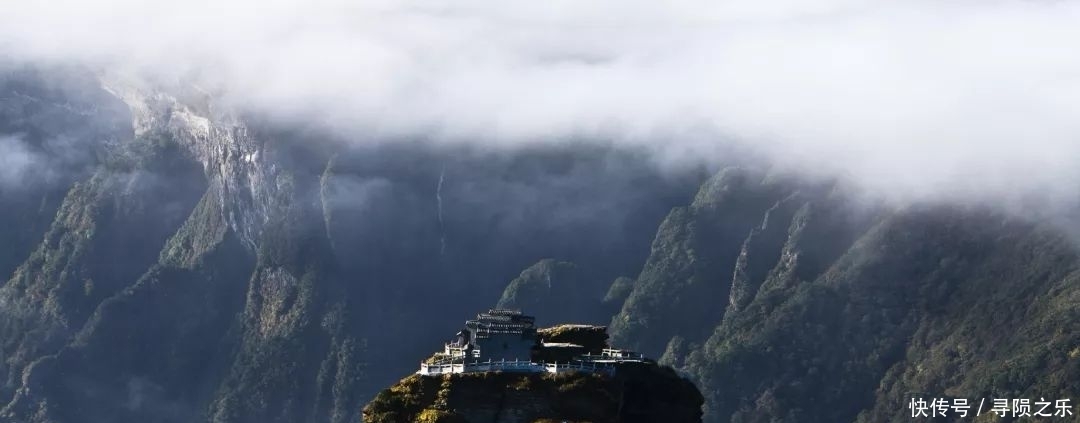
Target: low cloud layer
{"points": [[943, 98], [16, 162]]}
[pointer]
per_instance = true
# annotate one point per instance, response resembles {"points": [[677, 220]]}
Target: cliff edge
{"points": [[636, 393], [569, 374]]}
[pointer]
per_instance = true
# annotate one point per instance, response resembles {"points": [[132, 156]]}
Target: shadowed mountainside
{"points": [[821, 311], [167, 259], [203, 265]]}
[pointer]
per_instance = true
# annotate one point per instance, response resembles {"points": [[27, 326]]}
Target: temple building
{"points": [[495, 335], [508, 341]]}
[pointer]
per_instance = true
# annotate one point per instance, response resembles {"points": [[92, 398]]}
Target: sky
{"points": [[943, 99]]}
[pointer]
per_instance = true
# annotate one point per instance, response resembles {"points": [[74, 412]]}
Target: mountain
{"points": [[825, 308], [643, 393], [619, 391], [169, 258], [186, 262]]}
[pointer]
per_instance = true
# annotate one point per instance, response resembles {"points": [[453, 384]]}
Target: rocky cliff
{"points": [[637, 393], [787, 301], [167, 258], [170, 259]]}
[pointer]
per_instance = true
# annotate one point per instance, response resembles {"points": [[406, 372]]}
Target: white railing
{"points": [[614, 356], [514, 366], [621, 354]]}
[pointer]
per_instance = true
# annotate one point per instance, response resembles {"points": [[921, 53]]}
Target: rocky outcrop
{"points": [[592, 338], [637, 393]]}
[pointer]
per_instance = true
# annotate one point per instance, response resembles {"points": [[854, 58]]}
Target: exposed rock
{"points": [[637, 393], [175, 260], [592, 338]]}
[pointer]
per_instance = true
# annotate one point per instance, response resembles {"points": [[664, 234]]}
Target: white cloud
{"points": [[17, 162], [956, 98]]}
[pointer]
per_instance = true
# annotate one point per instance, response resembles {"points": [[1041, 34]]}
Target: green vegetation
{"points": [[619, 290], [555, 291], [825, 313], [73, 269], [685, 282], [638, 393], [248, 277]]}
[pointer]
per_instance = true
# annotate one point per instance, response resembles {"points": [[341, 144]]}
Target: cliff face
{"points": [[637, 393], [791, 302], [631, 390], [167, 259]]}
